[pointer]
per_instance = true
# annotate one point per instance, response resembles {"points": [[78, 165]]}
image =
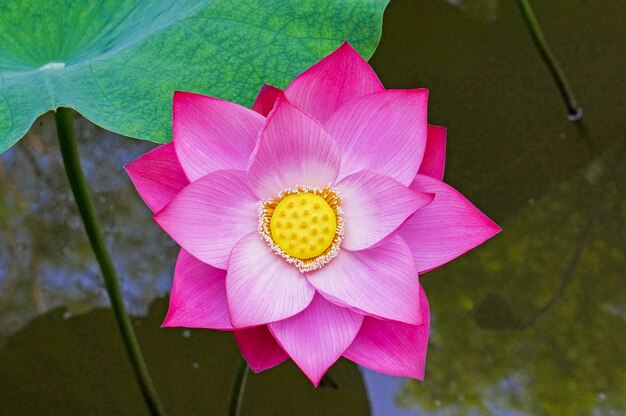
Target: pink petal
{"points": [[340, 77], [374, 205], [316, 337], [435, 154], [261, 286], [210, 215], [212, 134], [446, 228], [198, 298], [293, 149], [259, 348], [265, 100], [393, 347], [384, 132], [380, 281], [158, 176]]}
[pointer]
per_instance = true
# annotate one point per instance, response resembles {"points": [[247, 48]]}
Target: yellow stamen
{"points": [[304, 226], [327, 227]]}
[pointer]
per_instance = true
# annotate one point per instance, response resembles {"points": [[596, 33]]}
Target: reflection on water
{"points": [[536, 322], [45, 260], [482, 9], [530, 323], [533, 321]]}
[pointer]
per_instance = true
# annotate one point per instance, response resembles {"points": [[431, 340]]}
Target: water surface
{"points": [[531, 323]]}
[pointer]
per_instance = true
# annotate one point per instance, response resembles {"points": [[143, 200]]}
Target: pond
{"points": [[532, 322]]}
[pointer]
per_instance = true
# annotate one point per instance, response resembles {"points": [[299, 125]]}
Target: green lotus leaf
{"points": [[118, 62]]}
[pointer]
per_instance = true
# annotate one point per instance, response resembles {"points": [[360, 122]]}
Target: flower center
{"points": [[303, 225]]}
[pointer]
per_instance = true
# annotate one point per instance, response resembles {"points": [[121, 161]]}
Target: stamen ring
{"points": [[315, 217]]}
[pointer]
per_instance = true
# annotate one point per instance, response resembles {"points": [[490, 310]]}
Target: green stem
{"points": [[239, 387], [76, 177], [575, 112]]}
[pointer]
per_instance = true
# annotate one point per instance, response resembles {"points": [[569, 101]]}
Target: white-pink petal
{"points": [[259, 348], [384, 132], [198, 298], [210, 215], [212, 134], [293, 149], [340, 77], [375, 205], [158, 176], [262, 287], [393, 348], [434, 160], [266, 99], [446, 228], [381, 281], [318, 336]]}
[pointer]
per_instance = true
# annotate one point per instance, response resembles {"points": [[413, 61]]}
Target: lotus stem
{"points": [[239, 387], [574, 111], [76, 177]]}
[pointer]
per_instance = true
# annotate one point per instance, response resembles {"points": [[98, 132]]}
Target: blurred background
{"points": [[531, 323]]}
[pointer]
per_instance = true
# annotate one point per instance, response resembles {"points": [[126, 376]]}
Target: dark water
{"points": [[533, 322]]}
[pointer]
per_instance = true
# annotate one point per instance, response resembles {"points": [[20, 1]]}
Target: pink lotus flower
{"points": [[304, 224]]}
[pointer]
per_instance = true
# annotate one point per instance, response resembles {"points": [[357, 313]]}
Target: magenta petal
{"points": [[261, 286], [374, 205], [293, 149], [384, 132], [158, 176], [435, 154], [340, 77], [446, 228], [316, 337], [198, 298], [210, 215], [212, 134], [380, 281], [266, 99], [259, 348], [393, 347]]}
